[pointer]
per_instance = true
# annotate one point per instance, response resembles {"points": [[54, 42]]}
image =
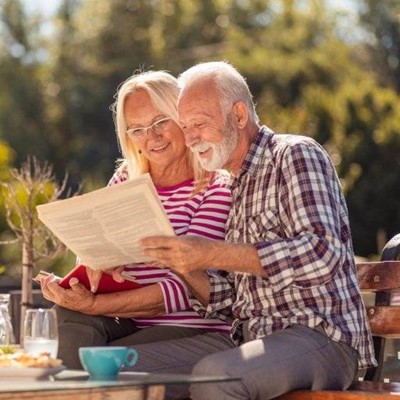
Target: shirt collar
{"points": [[259, 148]]}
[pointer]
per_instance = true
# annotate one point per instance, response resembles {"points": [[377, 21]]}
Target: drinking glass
{"points": [[6, 328], [40, 332], [4, 331]]}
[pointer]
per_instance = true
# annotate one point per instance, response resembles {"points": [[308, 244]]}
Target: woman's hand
{"points": [[95, 276], [78, 298]]}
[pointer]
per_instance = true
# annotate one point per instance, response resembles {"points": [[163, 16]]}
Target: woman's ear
{"points": [[240, 114]]}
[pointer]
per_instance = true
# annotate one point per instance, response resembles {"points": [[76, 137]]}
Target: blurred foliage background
{"points": [[314, 69]]}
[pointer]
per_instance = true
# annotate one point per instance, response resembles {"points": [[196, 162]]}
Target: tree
{"points": [[6, 158], [381, 20], [22, 109], [33, 184], [306, 75], [305, 80], [368, 118]]}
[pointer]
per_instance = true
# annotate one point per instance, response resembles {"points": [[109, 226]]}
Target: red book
{"points": [[106, 284]]}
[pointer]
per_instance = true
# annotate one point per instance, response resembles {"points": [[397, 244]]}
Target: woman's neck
{"points": [[172, 174]]}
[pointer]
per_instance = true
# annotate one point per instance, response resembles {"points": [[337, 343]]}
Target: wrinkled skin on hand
{"points": [[184, 254], [78, 298]]}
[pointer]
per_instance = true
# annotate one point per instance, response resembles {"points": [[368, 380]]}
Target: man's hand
{"points": [[78, 298], [183, 254], [186, 254]]}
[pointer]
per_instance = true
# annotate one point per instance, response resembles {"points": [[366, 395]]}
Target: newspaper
{"points": [[103, 227]]}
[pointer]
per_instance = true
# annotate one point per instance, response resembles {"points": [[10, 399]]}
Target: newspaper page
{"points": [[103, 227]]}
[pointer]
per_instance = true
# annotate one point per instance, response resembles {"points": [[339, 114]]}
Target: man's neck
{"points": [[246, 138]]}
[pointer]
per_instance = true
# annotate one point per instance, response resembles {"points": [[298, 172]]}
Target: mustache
{"points": [[198, 148]]}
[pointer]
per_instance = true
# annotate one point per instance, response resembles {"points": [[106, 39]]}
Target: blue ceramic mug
{"points": [[104, 363]]}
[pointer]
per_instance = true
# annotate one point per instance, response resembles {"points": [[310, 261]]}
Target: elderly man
{"points": [[289, 279]]}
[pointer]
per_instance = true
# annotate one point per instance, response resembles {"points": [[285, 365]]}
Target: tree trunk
{"points": [[27, 275]]}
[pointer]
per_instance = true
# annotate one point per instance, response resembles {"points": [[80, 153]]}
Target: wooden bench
{"points": [[381, 278], [364, 390]]}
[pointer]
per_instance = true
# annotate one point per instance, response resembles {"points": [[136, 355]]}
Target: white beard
{"points": [[220, 155], [220, 152]]}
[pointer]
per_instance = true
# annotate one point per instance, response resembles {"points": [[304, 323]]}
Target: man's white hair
{"points": [[231, 85]]}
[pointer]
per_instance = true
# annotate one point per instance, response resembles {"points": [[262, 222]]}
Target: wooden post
{"points": [[27, 275]]}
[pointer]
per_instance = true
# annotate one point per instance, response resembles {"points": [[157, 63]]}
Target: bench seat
{"points": [[364, 390]]}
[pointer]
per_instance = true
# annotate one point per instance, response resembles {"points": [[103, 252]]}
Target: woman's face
{"points": [[162, 146]]}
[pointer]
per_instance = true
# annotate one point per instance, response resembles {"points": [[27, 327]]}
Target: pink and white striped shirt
{"points": [[202, 214]]}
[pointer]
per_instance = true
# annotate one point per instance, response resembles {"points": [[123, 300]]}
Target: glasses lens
{"points": [[160, 126], [136, 134], [140, 133]]}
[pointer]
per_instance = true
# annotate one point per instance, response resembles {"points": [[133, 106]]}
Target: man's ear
{"points": [[240, 114]]}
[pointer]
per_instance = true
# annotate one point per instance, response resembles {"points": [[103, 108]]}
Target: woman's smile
{"points": [[160, 148]]}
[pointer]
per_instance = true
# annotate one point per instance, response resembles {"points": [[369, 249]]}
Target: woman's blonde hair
{"points": [[163, 91]]}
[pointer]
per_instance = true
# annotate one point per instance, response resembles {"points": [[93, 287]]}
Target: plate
{"points": [[28, 373]]}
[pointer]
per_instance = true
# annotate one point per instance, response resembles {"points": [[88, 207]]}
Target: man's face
{"points": [[221, 152], [211, 135]]}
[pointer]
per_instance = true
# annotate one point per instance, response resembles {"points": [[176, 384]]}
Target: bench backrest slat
{"points": [[379, 276], [383, 279], [384, 321]]}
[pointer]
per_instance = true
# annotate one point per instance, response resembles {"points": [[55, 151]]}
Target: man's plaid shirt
{"points": [[288, 202]]}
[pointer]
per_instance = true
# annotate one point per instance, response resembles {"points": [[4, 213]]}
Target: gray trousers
{"points": [[79, 330], [294, 358]]}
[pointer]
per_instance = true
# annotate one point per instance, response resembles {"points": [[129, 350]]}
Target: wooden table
{"points": [[75, 385]]}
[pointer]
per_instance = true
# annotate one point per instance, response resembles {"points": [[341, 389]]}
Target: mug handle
{"points": [[131, 358]]}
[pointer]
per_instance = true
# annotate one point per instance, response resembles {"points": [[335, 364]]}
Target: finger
{"points": [[119, 269], [52, 278], [38, 279], [53, 289], [116, 274], [45, 291], [157, 264], [94, 278], [47, 279], [77, 287], [158, 254], [73, 281], [157, 241], [47, 295]]}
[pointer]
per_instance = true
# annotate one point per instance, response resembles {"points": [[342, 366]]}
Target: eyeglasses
{"points": [[158, 127]]}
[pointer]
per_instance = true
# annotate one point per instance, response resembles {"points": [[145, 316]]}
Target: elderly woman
{"points": [[196, 202]]}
